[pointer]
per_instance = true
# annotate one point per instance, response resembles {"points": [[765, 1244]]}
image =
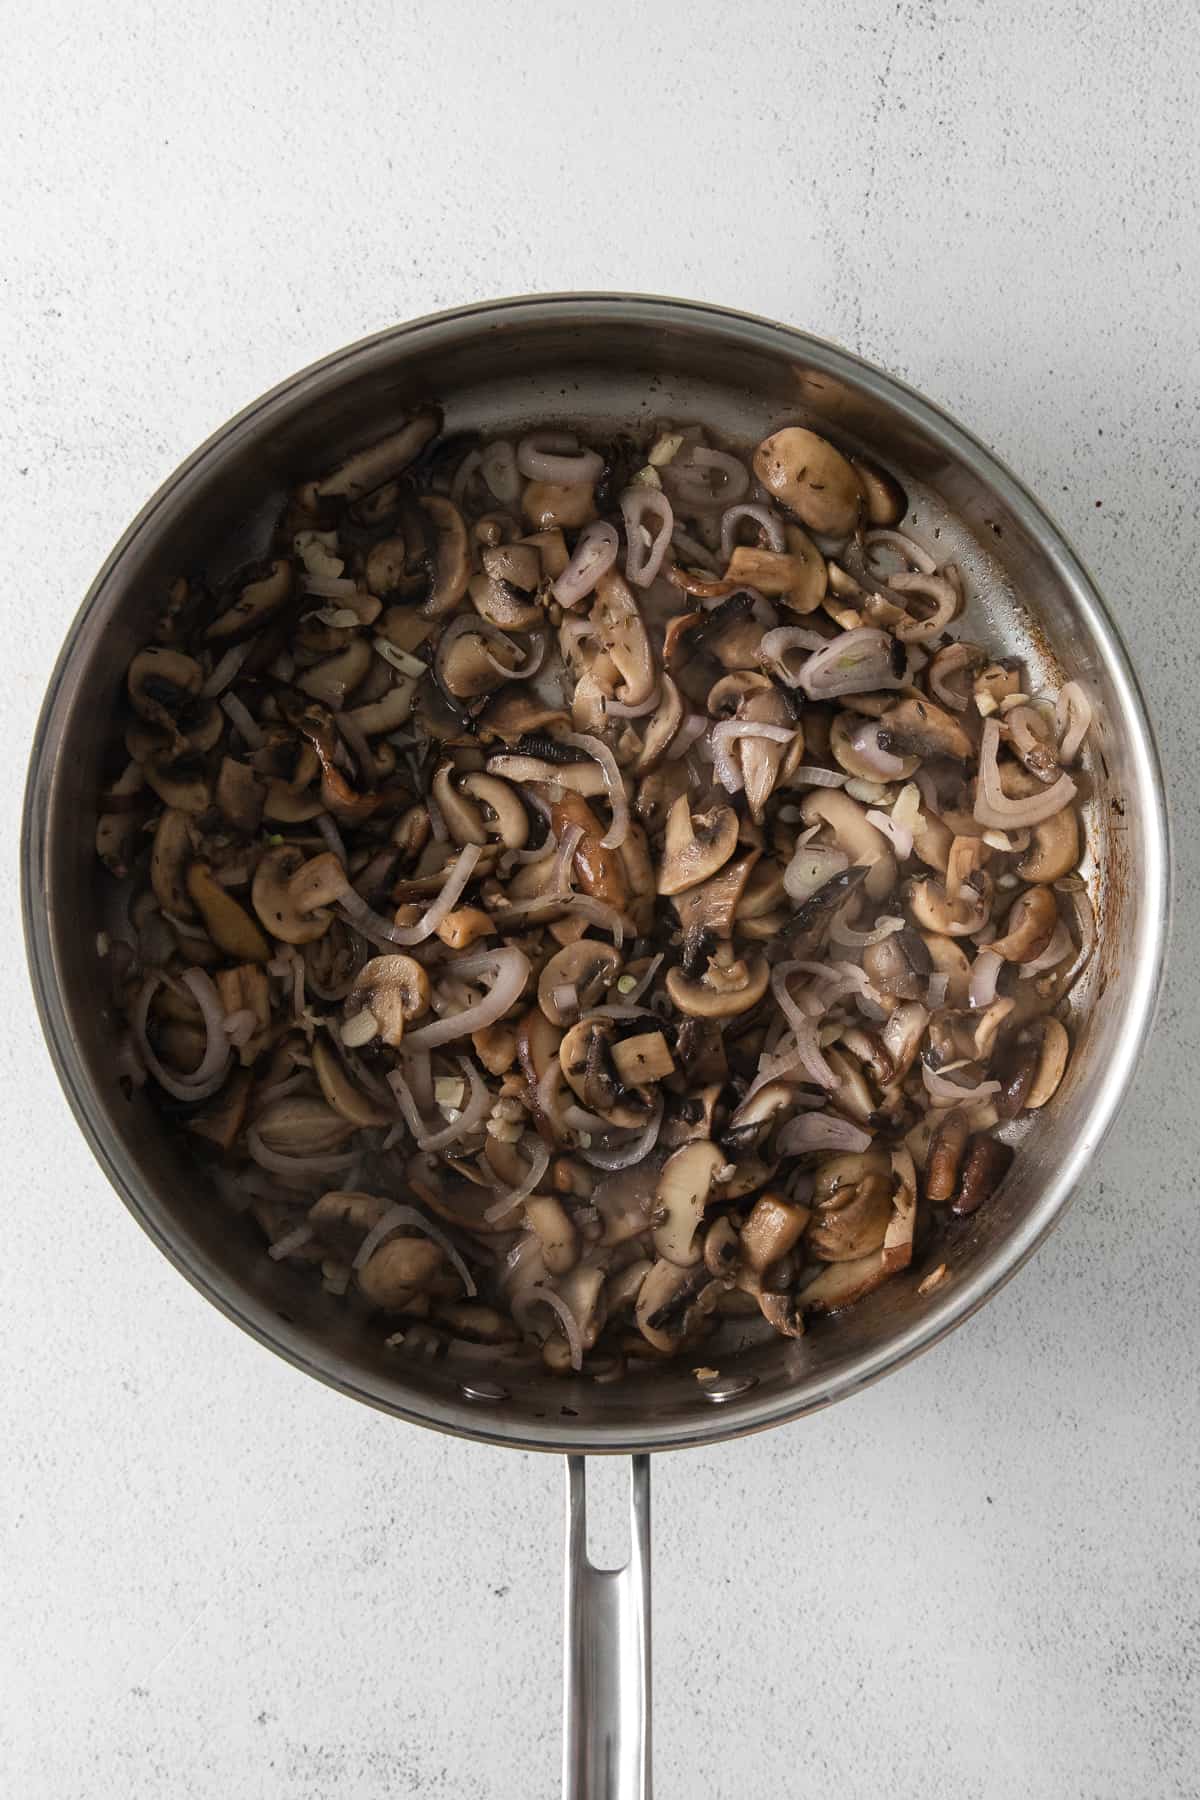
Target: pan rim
{"points": [[751, 1412]]}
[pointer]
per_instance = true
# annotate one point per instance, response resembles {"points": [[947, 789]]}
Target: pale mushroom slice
{"points": [[581, 973], [380, 462], [685, 1189], [812, 479], [622, 632], [696, 845]]}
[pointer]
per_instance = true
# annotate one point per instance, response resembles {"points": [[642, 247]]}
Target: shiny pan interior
{"points": [[602, 361]]}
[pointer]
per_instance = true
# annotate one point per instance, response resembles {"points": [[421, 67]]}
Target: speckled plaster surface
{"points": [[976, 1582]]}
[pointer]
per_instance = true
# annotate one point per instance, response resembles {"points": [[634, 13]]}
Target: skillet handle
{"points": [[606, 1652]]}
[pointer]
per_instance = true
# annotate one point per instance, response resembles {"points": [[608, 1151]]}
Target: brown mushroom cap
{"points": [[811, 478]]}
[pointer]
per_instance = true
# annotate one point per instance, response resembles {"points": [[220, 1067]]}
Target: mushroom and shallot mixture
{"points": [[582, 894]]}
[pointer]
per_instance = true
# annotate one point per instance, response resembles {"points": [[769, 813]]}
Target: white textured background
{"points": [[219, 1581]]}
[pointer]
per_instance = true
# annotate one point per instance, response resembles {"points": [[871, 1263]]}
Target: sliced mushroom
{"points": [[260, 599], [589, 968], [340, 1091], [168, 862], [388, 993], [228, 925], [853, 833], [240, 795], [710, 909], [1053, 1051], [275, 903], [402, 1264], [368, 469], [934, 911], [987, 1162], [558, 1237], [515, 712], [452, 558], [600, 871], [664, 1305], [843, 1283], [178, 784], [1054, 848], [685, 1188], [729, 985], [585, 1057], [553, 505], [664, 723], [774, 1227], [853, 1199], [811, 478], [162, 684], [782, 1312], [916, 727], [245, 989], [949, 959], [886, 501], [621, 630], [504, 816], [798, 575], [696, 845], [1029, 927], [851, 741], [331, 681]]}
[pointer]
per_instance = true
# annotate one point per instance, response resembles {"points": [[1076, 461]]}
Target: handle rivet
{"points": [[483, 1390], [729, 1389]]}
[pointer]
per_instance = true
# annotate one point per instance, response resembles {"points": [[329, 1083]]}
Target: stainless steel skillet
{"points": [[606, 361]]}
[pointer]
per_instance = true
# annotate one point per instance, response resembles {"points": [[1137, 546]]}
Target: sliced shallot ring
{"points": [[509, 968], [555, 456], [373, 925], [213, 1066], [913, 553], [944, 1092], [616, 834], [807, 1049], [570, 1324], [761, 514], [396, 1218], [624, 1156], [593, 556], [498, 466], [820, 1131], [855, 662], [643, 561], [539, 1162], [992, 804], [985, 973], [1072, 719], [727, 732]]}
